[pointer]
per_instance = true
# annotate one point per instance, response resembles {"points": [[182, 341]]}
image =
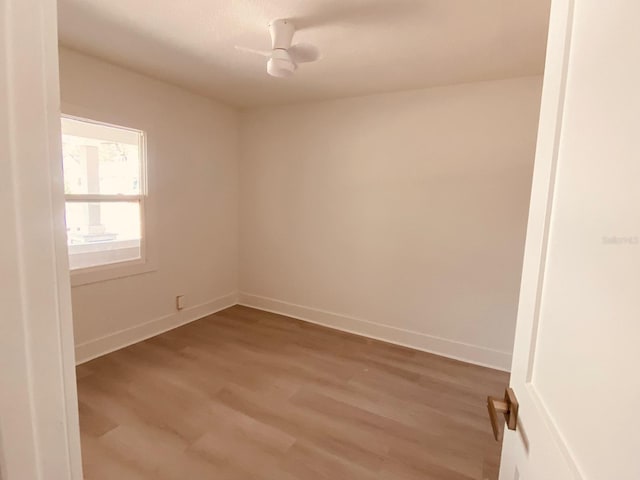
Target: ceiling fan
{"points": [[284, 57]]}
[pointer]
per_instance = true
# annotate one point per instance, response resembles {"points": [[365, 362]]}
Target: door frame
{"points": [[39, 430]]}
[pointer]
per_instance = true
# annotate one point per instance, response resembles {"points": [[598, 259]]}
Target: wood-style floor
{"points": [[249, 395]]}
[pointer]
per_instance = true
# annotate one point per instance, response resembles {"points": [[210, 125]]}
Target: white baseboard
{"points": [[440, 346], [115, 341]]}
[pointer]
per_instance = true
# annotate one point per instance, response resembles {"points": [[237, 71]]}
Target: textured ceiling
{"points": [[367, 46]]}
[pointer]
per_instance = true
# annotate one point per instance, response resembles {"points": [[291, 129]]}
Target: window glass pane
{"points": [[103, 232], [100, 159]]}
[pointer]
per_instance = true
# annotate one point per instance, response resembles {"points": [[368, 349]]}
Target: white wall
{"points": [[192, 160], [401, 216]]}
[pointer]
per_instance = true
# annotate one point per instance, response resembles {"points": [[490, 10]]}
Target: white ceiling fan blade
{"points": [[304, 52], [263, 53]]}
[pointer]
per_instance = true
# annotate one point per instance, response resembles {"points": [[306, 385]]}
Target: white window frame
{"points": [[116, 269]]}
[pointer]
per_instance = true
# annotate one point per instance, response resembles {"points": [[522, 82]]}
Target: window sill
{"points": [[103, 273]]}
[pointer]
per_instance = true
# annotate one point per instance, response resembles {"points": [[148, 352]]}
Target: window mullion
{"points": [[102, 198]]}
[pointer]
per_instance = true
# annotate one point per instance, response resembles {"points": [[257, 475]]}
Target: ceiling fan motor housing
{"points": [[281, 31]]}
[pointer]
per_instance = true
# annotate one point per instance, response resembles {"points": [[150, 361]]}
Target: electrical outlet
{"points": [[179, 302]]}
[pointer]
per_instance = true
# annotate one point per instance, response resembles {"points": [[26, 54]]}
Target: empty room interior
{"points": [[306, 240], [296, 278]]}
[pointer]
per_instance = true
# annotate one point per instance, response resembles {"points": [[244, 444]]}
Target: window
{"points": [[104, 184]]}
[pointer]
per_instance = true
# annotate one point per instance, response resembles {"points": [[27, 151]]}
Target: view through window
{"points": [[104, 185]]}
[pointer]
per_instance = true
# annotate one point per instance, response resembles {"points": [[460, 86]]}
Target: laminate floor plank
{"points": [[250, 395]]}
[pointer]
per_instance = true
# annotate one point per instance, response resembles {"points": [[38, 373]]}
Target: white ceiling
{"points": [[367, 46]]}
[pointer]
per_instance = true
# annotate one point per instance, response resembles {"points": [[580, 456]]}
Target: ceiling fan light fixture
{"points": [[280, 64]]}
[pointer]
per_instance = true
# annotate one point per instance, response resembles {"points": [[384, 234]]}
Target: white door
{"points": [[576, 367]]}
